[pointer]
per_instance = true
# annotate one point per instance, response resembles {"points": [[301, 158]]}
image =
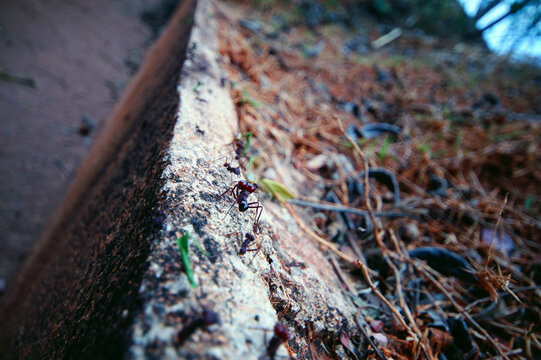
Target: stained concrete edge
{"points": [[77, 292]]}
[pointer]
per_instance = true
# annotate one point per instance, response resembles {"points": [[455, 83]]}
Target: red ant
{"points": [[281, 336], [240, 192], [244, 246], [229, 167], [239, 148]]}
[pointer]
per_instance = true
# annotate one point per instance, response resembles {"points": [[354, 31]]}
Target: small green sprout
{"points": [[183, 246], [528, 202], [425, 148], [383, 150], [250, 162], [248, 136], [247, 99]]}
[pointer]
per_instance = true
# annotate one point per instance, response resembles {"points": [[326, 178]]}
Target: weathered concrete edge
{"points": [[87, 259], [248, 295]]}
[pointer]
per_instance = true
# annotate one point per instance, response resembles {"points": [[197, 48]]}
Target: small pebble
{"points": [[86, 125], [376, 325], [410, 232]]}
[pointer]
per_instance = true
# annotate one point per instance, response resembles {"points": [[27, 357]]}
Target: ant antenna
{"points": [[227, 213]]}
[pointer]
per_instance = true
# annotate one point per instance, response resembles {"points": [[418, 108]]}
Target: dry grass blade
{"points": [[451, 159]]}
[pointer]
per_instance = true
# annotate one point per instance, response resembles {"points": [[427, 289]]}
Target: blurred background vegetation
{"points": [[516, 20]]}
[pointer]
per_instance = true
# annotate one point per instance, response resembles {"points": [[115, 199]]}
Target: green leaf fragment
{"points": [[200, 247], [247, 99], [277, 190], [248, 136], [383, 150], [250, 162], [183, 245], [528, 202]]}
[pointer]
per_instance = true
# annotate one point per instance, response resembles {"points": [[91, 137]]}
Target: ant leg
{"points": [[235, 196], [225, 192], [257, 249], [232, 189], [222, 249], [258, 211], [227, 213], [238, 236], [256, 223]]}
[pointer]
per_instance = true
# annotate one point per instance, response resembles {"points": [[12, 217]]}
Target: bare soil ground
{"points": [[63, 64]]}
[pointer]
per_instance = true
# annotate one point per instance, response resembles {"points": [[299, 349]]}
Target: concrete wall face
{"points": [[76, 294]]}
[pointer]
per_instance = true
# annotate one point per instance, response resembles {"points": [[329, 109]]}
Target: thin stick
{"points": [[343, 185], [343, 277], [325, 243], [361, 324], [401, 299], [349, 209], [421, 269], [486, 299], [376, 291], [377, 234]]}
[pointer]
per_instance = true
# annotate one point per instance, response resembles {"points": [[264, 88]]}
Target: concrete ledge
{"points": [[289, 280]]}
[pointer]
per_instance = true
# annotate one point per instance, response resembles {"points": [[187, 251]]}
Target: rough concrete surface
{"points": [[288, 280]]}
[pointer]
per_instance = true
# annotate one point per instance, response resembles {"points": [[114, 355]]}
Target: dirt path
{"points": [[63, 66]]}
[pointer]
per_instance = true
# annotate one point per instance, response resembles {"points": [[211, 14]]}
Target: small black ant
{"points": [[281, 336], [158, 220], [249, 238], [207, 318], [244, 247], [233, 170], [198, 129], [240, 192], [240, 149]]}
